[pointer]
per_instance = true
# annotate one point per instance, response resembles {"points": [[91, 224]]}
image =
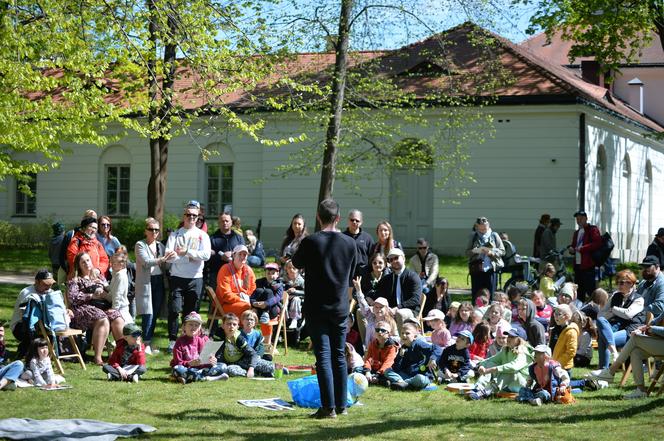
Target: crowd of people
{"points": [[405, 333]]}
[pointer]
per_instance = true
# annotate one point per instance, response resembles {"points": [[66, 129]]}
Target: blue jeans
{"points": [[527, 394], [192, 374], [417, 381], [605, 338], [12, 371], [149, 321], [328, 336]]}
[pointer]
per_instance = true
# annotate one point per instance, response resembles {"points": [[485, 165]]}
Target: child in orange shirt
{"points": [[380, 354]]}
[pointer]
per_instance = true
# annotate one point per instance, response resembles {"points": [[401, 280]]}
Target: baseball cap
{"points": [[382, 301], [515, 332], [543, 348], [45, 276], [660, 232], [395, 252], [132, 329], [434, 314], [193, 317], [580, 213], [271, 265], [466, 333], [455, 305], [239, 248], [649, 261]]}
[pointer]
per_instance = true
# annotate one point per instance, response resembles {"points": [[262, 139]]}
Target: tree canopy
{"points": [[611, 31]]}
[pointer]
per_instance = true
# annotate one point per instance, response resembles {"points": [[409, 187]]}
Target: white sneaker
{"points": [[148, 350], [635, 394], [222, 377], [535, 401], [134, 378], [602, 374]]}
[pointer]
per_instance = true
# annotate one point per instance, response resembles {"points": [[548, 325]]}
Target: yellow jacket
{"points": [[566, 346]]}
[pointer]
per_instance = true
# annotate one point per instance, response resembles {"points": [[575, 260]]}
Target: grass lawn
{"points": [[210, 410], [26, 261]]}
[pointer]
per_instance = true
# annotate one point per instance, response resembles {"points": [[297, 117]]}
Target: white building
{"points": [[561, 143]]}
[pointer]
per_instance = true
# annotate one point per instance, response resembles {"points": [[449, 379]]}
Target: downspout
{"points": [[582, 161]]}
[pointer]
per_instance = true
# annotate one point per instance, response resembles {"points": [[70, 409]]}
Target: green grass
{"points": [[210, 410], [26, 261], [455, 269]]}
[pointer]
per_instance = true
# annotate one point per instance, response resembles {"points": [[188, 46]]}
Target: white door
{"points": [[411, 206]]}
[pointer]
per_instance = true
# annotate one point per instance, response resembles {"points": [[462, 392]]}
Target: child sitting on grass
{"points": [[498, 344], [463, 319], [381, 353], [543, 311], [127, 362], [547, 284], [546, 378], [451, 314], [38, 368], [454, 362], [354, 361], [505, 371], [253, 336], [186, 365], [417, 357], [481, 341], [236, 357], [440, 336]]}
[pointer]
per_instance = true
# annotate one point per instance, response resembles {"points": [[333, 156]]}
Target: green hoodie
{"points": [[512, 371]]}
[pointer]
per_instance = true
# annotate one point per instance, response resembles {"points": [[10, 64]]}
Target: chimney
{"points": [[590, 72]]}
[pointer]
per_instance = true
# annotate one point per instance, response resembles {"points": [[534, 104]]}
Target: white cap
{"points": [[239, 248], [396, 252], [434, 314]]}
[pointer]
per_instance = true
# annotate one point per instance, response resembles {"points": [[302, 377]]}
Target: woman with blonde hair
{"points": [[385, 239]]}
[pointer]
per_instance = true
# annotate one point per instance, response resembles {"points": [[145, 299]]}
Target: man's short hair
{"points": [[328, 210], [354, 211], [412, 325]]}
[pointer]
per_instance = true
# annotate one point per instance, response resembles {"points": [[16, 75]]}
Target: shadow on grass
{"points": [[203, 414]]}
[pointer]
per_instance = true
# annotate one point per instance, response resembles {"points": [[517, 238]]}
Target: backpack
{"points": [[602, 254]]}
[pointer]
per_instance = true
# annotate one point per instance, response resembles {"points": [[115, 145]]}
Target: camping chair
{"points": [[627, 368], [280, 322], [654, 379], [216, 312], [71, 334]]}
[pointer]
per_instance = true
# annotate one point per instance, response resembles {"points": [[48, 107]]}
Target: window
{"points": [[219, 188], [26, 205], [117, 190]]}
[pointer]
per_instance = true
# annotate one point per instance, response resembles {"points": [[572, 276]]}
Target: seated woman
{"points": [[386, 240], [646, 341], [235, 283], [86, 293], [623, 314]]}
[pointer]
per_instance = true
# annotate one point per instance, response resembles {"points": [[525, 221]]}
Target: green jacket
{"points": [[512, 371]]}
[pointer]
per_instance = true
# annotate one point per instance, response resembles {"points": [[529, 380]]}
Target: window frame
{"points": [[117, 211]]}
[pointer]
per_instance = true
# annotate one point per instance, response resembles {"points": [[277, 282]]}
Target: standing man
{"points": [[222, 243], [363, 240], [584, 241], [425, 263], [192, 248], [537, 242], [329, 259], [656, 248], [548, 242]]}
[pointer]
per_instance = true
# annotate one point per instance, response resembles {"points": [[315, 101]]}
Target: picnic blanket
{"points": [[64, 430]]}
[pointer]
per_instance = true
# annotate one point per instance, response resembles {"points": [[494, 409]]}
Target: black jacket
{"points": [[656, 249], [411, 290]]}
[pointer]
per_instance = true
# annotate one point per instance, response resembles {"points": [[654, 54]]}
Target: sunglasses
{"points": [[191, 215], [624, 282], [422, 248], [392, 259], [105, 225], [381, 331], [357, 221], [154, 230]]}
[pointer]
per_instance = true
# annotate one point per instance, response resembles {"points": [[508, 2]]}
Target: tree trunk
{"points": [[328, 171], [163, 114]]}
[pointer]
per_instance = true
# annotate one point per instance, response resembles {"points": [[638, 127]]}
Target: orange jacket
{"points": [[93, 247], [230, 283], [379, 359]]}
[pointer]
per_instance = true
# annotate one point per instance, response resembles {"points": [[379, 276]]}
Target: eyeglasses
{"points": [[105, 225], [422, 248], [381, 331], [154, 230], [191, 215], [624, 282], [357, 221], [392, 259]]}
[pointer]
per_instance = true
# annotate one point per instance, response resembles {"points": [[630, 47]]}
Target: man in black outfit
{"points": [[363, 240], [402, 288], [222, 243], [328, 258], [656, 248]]}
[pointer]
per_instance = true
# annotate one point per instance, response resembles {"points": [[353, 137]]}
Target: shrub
{"points": [[633, 266], [131, 230], [27, 235]]}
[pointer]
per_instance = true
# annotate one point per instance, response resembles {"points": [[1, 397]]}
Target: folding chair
{"points": [[654, 379], [280, 322], [423, 301], [71, 334], [217, 312]]}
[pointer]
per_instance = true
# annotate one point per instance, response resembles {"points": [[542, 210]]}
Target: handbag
{"points": [[476, 267]]}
